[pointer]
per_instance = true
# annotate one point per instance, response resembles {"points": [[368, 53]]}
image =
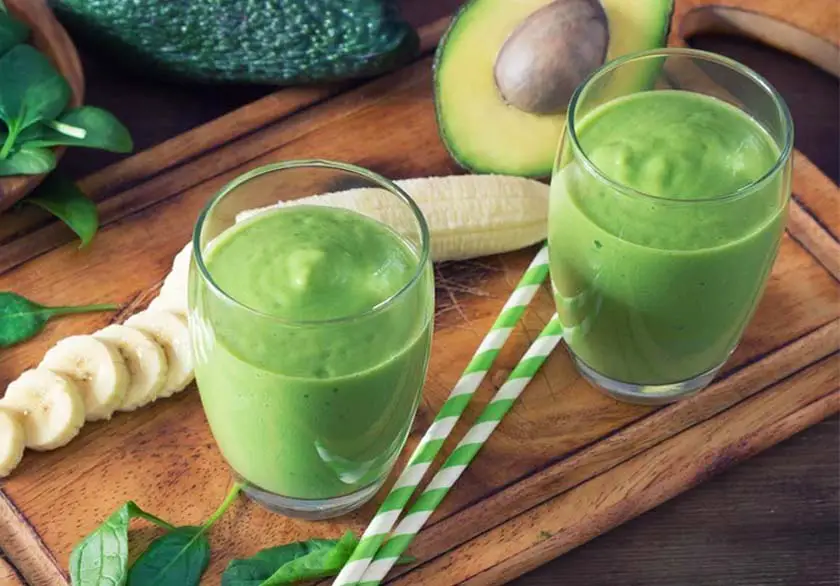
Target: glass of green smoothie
{"points": [[668, 203], [311, 328]]}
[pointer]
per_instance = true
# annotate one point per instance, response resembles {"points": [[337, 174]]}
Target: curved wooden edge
{"points": [[814, 238], [666, 424], [764, 29], [640, 484], [50, 37], [22, 544], [8, 575]]}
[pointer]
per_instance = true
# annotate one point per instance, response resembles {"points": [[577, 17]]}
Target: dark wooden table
{"points": [[771, 521]]}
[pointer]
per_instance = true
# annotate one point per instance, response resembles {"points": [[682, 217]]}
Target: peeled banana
{"points": [[173, 293], [145, 360], [468, 215], [12, 440], [50, 405], [97, 369], [171, 333]]}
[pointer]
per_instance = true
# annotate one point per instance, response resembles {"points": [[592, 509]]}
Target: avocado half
{"points": [[480, 130]]}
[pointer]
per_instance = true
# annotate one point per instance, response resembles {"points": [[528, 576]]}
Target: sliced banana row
{"points": [[89, 377]]}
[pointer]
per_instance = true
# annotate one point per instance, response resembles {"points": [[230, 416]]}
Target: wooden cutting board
{"points": [[566, 464]]}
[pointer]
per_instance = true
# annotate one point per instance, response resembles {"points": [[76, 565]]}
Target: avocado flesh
{"points": [[481, 131]]}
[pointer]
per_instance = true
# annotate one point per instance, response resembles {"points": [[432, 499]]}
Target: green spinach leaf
{"points": [[177, 558], [317, 564], [12, 31], [63, 198], [102, 558], [101, 129], [65, 129], [32, 91], [20, 318], [28, 161], [254, 570], [294, 562]]}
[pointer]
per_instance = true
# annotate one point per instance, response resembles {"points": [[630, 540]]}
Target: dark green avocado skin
{"points": [[280, 42]]}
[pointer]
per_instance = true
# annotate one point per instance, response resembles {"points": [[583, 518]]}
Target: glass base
{"points": [[645, 394], [310, 509]]}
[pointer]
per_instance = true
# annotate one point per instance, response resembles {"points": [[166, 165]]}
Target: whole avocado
{"points": [[260, 41]]}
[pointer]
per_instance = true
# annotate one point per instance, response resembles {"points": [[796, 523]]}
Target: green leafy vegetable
{"points": [[179, 557], [63, 198], [255, 570], [12, 31], [66, 129], [316, 564], [20, 318], [32, 91], [29, 160], [102, 558], [101, 129], [286, 564]]}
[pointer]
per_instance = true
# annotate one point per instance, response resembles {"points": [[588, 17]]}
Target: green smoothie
{"points": [[655, 283], [310, 389]]}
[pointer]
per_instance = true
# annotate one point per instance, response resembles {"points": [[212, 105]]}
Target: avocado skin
{"points": [[280, 42]]}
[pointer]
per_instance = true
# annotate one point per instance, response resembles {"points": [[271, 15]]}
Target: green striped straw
{"points": [[445, 421], [463, 454]]}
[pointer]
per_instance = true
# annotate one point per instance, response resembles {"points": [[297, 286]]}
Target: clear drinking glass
{"points": [[668, 203], [309, 389]]}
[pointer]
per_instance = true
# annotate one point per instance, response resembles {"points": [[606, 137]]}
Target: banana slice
{"points": [[173, 292], [12, 441], [97, 368], [170, 331], [145, 360], [51, 406]]}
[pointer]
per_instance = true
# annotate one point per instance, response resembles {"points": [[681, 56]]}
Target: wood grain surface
{"points": [[9, 575], [590, 463]]}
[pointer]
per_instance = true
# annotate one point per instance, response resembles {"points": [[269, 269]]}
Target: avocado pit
{"points": [[550, 53]]}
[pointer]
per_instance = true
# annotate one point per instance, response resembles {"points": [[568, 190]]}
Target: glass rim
{"points": [[376, 178], [781, 107]]}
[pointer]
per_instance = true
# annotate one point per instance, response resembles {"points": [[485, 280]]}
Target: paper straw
{"points": [[445, 421], [463, 454]]}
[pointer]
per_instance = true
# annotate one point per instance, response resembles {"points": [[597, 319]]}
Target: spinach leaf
{"points": [[255, 570], [101, 129], [63, 198], [32, 91], [65, 129], [20, 318], [317, 564], [177, 558], [286, 564], [12, 31], [102, 558], [28, 161]]}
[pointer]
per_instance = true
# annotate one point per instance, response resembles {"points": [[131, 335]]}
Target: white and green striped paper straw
{"points": [[445, 421], [463, 454]]}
